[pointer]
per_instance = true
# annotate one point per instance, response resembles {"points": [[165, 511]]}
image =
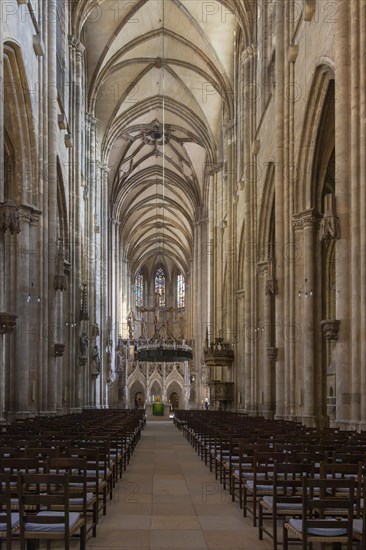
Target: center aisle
{"points": [[168, 499]]}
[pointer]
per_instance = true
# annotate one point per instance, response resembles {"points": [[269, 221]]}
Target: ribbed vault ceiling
{"points": [[159, 74]]}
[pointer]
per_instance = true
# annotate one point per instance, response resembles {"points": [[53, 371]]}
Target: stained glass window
{"points": [[181, 290], [139, 290], [160, 286]]}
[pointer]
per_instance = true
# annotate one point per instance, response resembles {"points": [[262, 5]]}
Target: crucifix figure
{"points": [[156, 310]]}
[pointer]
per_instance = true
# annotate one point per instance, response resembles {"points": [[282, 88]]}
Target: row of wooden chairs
{"points": [[55, 478], [280, 471]]}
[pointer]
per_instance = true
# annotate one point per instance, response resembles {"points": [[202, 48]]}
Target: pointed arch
{"points": [[319, 105], [19, 127]]}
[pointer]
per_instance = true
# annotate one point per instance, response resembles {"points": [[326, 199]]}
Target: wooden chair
{"points": [[322, 520], [262, 482], [286, 498], [79, 466], [9, 521], [359, 524], [45, 513]]}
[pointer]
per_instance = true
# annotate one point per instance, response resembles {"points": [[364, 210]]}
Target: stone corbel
{"points": [[8, 322], [9, 218], [330, 329], [59, 350]]}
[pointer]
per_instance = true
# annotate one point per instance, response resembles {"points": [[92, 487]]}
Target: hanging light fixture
{"points": [[158, 348], [306, 290]]}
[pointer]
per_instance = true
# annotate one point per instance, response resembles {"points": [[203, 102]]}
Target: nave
{"points": [[168, 499]]}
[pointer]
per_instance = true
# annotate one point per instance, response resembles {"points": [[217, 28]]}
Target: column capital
{"points": [[28, 214], [89, 117], [214, 168], [308, 218], [103, 166], [76, 44], [249, 53]]}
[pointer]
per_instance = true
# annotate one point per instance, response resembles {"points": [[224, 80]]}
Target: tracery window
{"points": [[160, 286], [139, 290], [181, 290]]}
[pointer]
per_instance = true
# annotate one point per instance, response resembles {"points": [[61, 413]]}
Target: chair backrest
{"points": [[321, 505], [40, 497], [345, 471], [5, 507]]}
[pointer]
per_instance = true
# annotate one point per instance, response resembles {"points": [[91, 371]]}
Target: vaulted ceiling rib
{"points": [[160, 76]]}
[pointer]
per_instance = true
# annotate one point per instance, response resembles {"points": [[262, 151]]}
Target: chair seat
{"points": [[78, 500], [52, 527], [14, 521], [321, 532], [250, 485], [268, 501]]}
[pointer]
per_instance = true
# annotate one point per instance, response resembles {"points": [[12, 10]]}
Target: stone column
{"points": [[268, 359], [247, 60], [362, 205], [27, 312], [50, 365], [187, 385], [280, 205], [342, 189], [104, 309], [309, 335], [356, 214]]}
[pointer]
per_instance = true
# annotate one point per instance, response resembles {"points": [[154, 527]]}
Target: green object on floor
{"points": [[158, 409]]}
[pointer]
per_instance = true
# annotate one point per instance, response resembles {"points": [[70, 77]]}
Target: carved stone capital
{"points": [[29, 215], [271, 287], [8, 322], [272, 353], [308, 218], [330, 329], [9, 218], [59, 349]]}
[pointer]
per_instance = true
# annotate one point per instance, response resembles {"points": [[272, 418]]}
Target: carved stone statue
{"points": [[95, 360], [205, 374], [143, 328], [84, 342], [131, 324]]}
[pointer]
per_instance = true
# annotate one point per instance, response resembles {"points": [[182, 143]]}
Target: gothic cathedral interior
{"points": [[181, 207]]}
